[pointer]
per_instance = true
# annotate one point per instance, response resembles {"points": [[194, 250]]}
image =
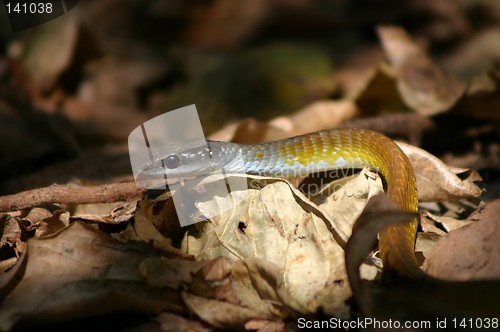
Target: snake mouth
{"points": [[154, 176], [156, 169]]}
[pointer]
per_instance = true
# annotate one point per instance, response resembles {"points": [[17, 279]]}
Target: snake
{"points": [[326, 150]]}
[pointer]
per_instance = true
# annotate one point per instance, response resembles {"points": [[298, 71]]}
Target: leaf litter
{"points": [[278, 254]]}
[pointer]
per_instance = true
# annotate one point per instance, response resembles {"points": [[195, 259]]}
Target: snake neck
{"points": [[346, 148], [397, 241]]}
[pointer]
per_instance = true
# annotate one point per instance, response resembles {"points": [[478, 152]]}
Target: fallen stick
{"points": [[71, 194]]}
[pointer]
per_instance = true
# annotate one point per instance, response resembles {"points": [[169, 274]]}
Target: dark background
{"points": [[72, 90]]}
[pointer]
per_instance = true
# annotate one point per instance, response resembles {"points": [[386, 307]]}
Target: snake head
{"points": [[174, 162]]}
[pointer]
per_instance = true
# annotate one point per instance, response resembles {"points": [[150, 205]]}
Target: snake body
{"points": [[315, 152]]}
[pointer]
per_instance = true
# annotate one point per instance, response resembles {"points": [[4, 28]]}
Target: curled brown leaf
{"points": [[471, 252], [423, 85], [438, 182]]}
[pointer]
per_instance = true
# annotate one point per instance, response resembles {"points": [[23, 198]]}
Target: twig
{"points": [[71, 194]]}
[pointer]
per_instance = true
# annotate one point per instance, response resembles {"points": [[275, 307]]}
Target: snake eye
{"points": [[172, 161]]}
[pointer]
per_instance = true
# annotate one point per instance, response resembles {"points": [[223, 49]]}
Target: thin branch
{"points": [[71, 194]]}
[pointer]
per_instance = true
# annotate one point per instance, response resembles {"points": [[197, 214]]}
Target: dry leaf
{"points": [[448, 223], [143, 229], [58, 221], [428, 225], [11, 235], [164, 272], [217, 270], [259, 292], [36, 216], [213, 281], [264, 325], [438, 182], [277, 223], [8, 263], [424, 244], [423, 85], [170, 322], [219, 314], [349, 199], [471, 252], [79, 273], [11, 232], [379, 94], [108, 213]]}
